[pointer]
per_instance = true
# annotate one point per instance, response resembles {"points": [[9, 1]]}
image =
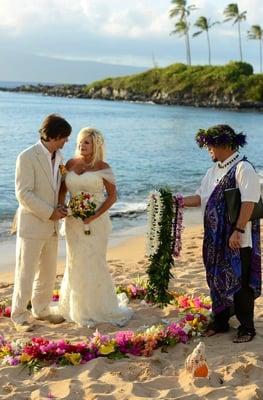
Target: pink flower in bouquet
{"points": [[55, 295]]}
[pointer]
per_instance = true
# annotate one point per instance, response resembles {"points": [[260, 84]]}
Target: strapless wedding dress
{"points": [[87, 294]]}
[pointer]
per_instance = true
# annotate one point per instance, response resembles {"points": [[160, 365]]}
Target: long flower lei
{"points": [[178, 205], [165, 216], [155, 211]]}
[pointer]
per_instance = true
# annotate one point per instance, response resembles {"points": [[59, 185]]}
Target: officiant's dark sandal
{"points": [[212, 330], [244, 336]]}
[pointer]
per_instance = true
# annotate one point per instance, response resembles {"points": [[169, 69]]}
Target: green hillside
{"points": [[233, 84]]}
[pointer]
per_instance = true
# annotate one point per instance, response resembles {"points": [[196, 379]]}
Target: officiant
{"points": [[231, 252]]}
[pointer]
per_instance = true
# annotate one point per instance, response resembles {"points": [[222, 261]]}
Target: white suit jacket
{"points": [[36, 194]]}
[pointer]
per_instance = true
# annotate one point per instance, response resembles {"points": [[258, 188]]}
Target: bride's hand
{"points": [[90, 219]]}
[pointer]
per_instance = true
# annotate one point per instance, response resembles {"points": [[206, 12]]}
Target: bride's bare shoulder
{"points": [[102, 165], [70, 164]]}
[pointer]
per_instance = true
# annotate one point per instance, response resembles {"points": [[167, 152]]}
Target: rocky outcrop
{"points": [[187, 98], [48, 90], [161, 97]]}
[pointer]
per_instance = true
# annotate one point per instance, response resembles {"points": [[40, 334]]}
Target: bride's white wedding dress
{"points": [[87, 294]]}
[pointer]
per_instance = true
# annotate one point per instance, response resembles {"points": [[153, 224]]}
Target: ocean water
{"points": [[147, 145]]}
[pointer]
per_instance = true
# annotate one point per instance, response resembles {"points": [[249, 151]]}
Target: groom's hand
{"points": [[58, 213]]}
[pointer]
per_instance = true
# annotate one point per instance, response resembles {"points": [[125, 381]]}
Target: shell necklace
{"points": [[222, 165]]}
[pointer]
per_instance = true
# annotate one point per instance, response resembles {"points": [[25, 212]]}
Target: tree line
{"points": [[181, 12]]}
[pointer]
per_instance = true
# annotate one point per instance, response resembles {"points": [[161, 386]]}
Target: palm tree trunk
{"points": [[260, 54], [240, 44], [188, 48], [209, 47]]}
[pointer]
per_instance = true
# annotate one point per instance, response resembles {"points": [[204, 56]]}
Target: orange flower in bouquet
{"points": [[63, 170]]}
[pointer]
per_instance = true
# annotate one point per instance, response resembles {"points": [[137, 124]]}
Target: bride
{"points": [[87, 294]]}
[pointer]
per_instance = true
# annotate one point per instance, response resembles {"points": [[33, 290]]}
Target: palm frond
{"points": [[181, 9], [202, 23], [181, 28], [255, 32], [231, 12], [197, 33]]}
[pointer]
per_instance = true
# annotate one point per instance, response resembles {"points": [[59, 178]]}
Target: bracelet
{"points": [[239, 229]]}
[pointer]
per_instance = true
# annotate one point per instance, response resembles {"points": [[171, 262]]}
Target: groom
{"points": [[37, 185]]}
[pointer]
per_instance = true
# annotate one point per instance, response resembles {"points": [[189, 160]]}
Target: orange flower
{"points": [[63, 170]]}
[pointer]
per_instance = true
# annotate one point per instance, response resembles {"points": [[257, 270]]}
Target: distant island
{"points": [[232, 86]]}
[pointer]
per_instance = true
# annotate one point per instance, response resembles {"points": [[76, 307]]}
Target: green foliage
{"points": [[161, 262], [34, 366], [237, 68], [254, 90], [117, 355], [199, 81]]}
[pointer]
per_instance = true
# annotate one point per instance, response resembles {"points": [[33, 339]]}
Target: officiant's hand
{"points": [[235, 240]]}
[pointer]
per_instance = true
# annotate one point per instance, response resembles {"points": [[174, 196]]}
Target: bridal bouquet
{"points": [[82, 205]]}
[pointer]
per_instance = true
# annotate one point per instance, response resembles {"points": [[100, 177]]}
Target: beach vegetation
{"points": [[233, 80]]}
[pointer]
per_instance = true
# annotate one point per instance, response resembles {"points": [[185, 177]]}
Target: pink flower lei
{"points": [[178, 204]]}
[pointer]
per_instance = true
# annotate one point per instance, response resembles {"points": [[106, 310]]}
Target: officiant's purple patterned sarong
{"points": [[223, 265]]}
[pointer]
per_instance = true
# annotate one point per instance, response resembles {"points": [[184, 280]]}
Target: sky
{"points": [[124, 32]]}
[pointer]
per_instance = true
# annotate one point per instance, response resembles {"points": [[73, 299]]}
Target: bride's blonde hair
{"points": [[97, 143]]}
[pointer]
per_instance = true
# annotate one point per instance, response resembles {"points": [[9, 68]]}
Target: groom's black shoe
{"points": [[52, 318]]}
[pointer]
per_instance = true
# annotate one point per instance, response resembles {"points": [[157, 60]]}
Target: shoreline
{"points": [[79, 92]]}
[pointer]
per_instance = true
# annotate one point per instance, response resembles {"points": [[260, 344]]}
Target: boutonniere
{"points": [[63, 170]]}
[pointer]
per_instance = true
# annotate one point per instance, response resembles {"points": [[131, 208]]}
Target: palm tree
{"points": [[182, 29], [182, 10], [204, 25], [256, 32], [232, 13]]}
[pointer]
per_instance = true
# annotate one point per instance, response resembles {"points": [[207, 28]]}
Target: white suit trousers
{"points": [[36, 263]]}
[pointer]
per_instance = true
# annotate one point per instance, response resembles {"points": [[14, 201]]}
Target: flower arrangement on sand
{"points": [[37, 352]]}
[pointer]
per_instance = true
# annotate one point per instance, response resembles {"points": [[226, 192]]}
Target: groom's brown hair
{"points": [[54, 127]]}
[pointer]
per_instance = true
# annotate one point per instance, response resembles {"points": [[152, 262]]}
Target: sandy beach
{"points": [[235, 370]]}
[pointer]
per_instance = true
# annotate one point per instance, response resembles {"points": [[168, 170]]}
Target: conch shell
{"points": [[195, 363]]}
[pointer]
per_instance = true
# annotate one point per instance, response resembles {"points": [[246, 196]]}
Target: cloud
{"points": [[129, 18], [118, 31], [19, 17], [135, 19]]}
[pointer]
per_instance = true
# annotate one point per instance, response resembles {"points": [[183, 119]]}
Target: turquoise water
{"points": [[147, 145]]}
